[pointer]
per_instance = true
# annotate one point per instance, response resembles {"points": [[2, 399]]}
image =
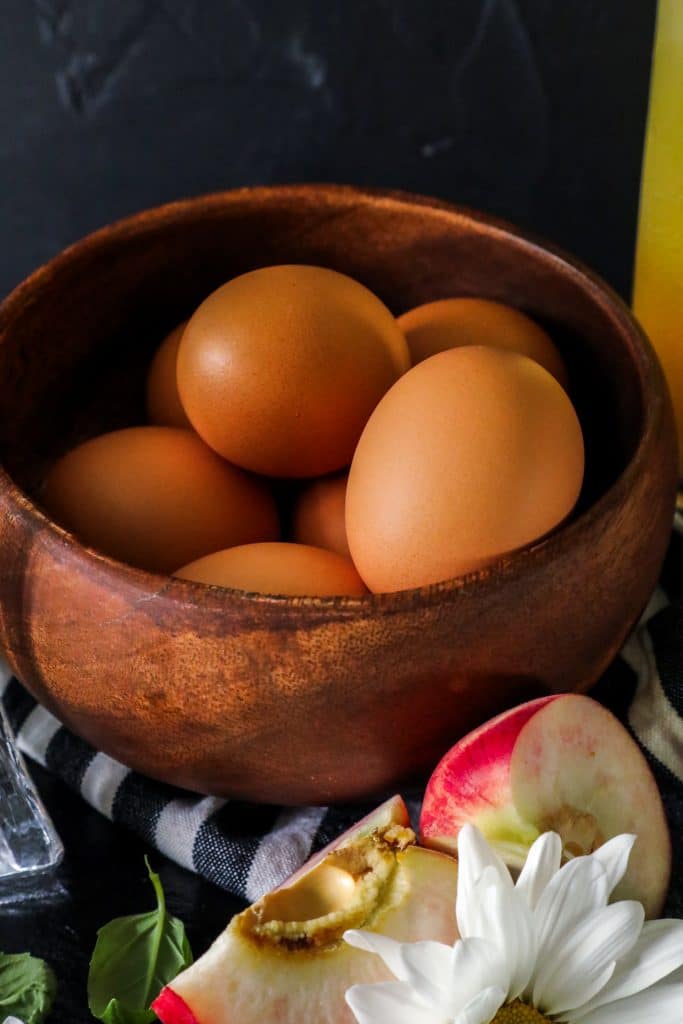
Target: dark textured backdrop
{"points": [[533, 109]]}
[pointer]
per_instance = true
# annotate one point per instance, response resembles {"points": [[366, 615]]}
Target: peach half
{"points": [[283, 959], [561, 763]]}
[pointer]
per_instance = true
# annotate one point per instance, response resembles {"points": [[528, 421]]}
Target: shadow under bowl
{"points": [[292, 700]]}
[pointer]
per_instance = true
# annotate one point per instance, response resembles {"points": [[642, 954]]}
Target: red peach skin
{"points": [[171, 1009]]}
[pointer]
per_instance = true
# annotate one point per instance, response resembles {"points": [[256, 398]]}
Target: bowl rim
{"points": [[652, 386]]}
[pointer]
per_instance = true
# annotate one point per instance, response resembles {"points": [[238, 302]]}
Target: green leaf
{"points": [[116, 1014], [27, 987], [134, 958]]}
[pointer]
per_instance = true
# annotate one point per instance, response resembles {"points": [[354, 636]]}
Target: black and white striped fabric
{"points": [[247, 849]]}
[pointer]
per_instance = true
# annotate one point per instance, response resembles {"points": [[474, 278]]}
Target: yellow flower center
{"points": [[519, 1013]]}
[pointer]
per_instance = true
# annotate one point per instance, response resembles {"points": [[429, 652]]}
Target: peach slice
{"points": [[561, 763], [283, 959], [392, 812]]}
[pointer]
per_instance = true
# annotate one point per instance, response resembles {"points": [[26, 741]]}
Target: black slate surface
{"points": [[531, 109], [103, 875]]}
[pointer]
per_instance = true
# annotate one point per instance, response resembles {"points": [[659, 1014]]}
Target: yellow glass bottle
{"points": [[658, 288]]}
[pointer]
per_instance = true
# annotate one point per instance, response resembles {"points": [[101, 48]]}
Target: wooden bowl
{"points": [[311, 699]]}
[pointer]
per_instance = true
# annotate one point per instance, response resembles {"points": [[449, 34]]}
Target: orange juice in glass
{"points": [[658, 288]]}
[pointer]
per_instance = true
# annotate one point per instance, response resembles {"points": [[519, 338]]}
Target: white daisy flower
{"points": [[548, 948]]}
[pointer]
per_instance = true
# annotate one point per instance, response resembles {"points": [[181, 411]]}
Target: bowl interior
{"points": [[77, 338]]}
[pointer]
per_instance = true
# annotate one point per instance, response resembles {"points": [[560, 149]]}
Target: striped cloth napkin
{"points": [[247, 849]]}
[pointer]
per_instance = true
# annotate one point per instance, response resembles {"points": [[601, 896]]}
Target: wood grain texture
{"points": [[305, 699]]}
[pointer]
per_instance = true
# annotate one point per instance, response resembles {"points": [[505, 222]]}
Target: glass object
{"points": [[658, 290], [29, 845]]}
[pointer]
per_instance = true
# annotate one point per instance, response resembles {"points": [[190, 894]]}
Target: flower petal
{"points": [[388, 949], [478, 854], [587, 958], [659, 1005], [477, 965], [501, 915], [543, 861], [389, 1002], [578, 888], [474, 856], [428, 968], [483, 1008], [656, 954], [614, 855]]}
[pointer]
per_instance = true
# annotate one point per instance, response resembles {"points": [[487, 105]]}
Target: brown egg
{"points": [[157, 498], [450, 323], [280, 368], [294, 569], [473, 453], [319, 515], [163, 401]]}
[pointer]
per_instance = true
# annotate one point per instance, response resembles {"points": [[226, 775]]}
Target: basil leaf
{"points": [[27, 987], [134, 957], [115, 1014]]}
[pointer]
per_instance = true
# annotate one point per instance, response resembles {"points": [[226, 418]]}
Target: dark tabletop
{"points": [[103, 875], [532, 110]]}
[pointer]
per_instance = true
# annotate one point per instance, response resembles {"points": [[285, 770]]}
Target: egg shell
{"points": [[280, 368], [450, 323], [278, 569], [157, 498], [318, 517], [164, 407], [473, 453]]}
